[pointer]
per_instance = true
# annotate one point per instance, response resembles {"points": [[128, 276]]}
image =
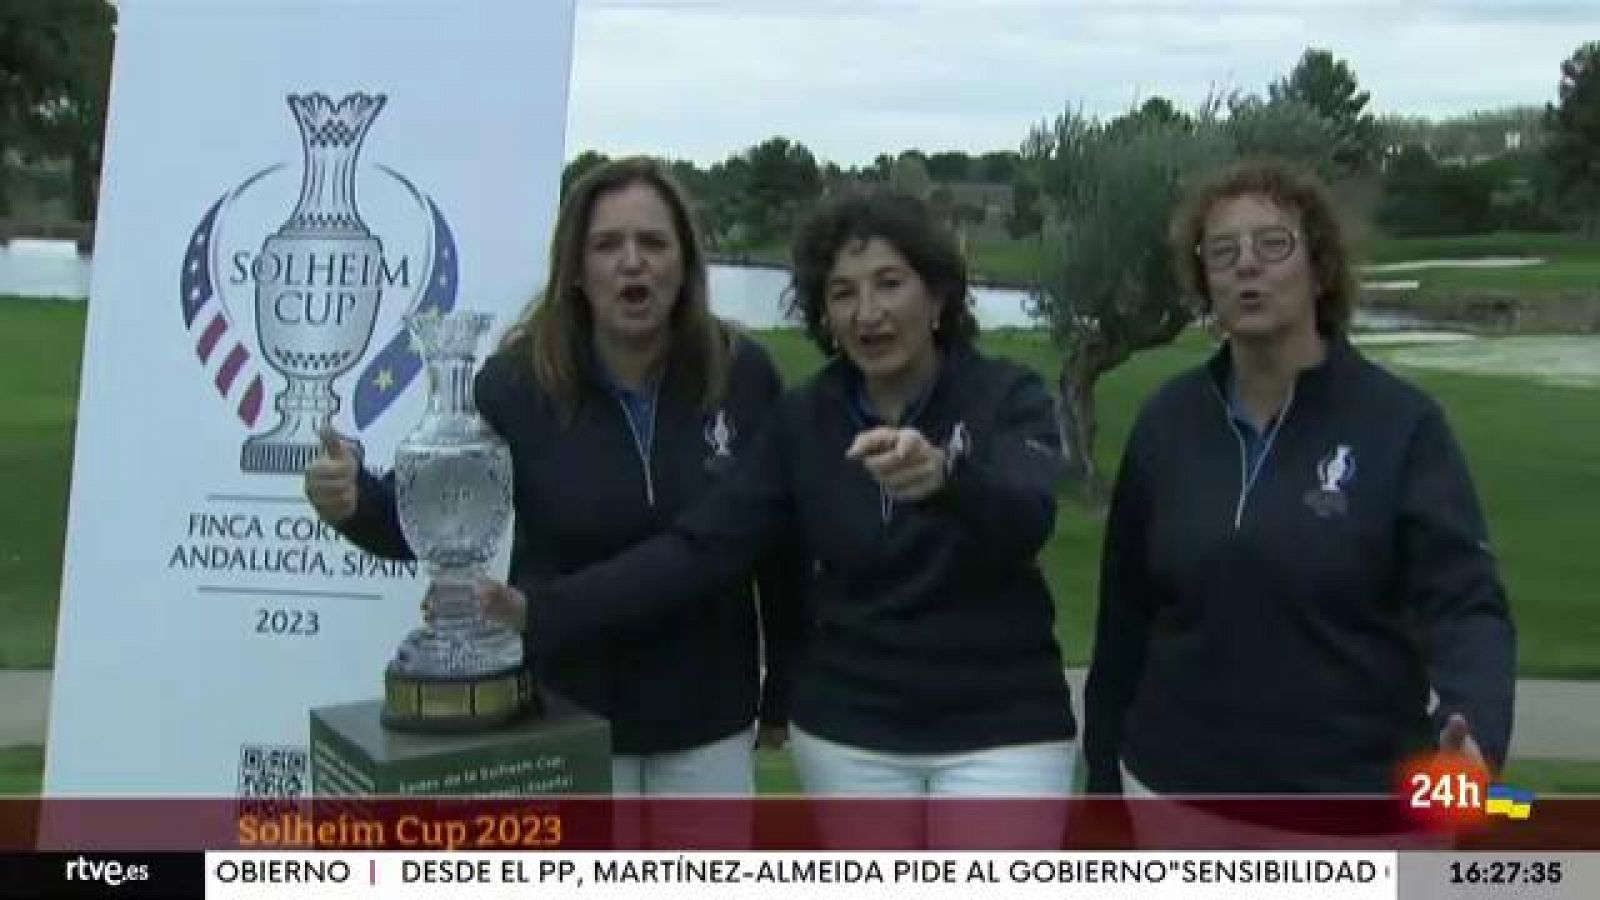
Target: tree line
{"points": [[1522, 168], [55, 70], [754, 198], [1525, 168]]}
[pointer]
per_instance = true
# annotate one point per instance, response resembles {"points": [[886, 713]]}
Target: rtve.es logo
{"points": [[106, 871]]}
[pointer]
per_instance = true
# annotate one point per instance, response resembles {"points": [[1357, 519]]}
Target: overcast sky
{"points": [[702, 79]]}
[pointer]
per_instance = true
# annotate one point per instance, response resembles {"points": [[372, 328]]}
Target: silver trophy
{"points": [[462, 671], [318, 283]]}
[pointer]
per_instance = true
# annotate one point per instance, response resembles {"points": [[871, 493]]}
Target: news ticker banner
{"points": [[782, 824], [284, 181], [994, 876]]}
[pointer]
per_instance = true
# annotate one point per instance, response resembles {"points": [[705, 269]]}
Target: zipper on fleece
{"points": [[644, 447], [885, 499], [1247, 475]]}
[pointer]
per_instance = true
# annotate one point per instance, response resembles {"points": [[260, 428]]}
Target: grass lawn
{"points": [[775, 773], [1569, 274], [1534, 449], [1505, 243], [21, 770], [1535, 457], [1572, 264], [1544, 776], [1011, 261], [38, 397]]}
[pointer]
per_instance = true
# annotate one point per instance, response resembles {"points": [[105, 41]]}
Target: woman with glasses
{"points": [[1297, 589]]}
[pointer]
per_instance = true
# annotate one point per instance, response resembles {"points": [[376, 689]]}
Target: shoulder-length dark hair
{"points": [[904, 222], [1323, 233], [554, 332]]}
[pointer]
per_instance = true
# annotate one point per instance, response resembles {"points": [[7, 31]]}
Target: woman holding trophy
{"points": [[623, 400]]}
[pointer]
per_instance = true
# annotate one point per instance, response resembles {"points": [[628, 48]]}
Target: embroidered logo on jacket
{"points": [[957, 447], [1334, 473], [960, 443], [719, 434]]}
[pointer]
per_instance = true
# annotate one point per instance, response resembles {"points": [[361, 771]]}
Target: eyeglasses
{"points": [[1271, 244]]}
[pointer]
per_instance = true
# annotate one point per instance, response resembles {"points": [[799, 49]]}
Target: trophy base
{"points": [[563, 750], [281, 457], [433, 705]]}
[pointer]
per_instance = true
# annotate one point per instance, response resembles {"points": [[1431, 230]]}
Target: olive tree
{"points": [[1106, 281], [1107, 287]]}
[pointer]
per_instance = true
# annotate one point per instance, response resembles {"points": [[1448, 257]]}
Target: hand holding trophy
{"points": [[499, 601]]}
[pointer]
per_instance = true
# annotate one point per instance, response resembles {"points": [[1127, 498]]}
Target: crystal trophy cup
{"points": [[461, 672], [318, 283]]}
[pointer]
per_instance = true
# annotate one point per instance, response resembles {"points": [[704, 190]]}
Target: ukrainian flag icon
{"points": [[1513, 803]]}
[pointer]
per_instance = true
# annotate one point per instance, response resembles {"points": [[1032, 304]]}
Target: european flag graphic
{"points": [[1513, 803], [393, 367]]}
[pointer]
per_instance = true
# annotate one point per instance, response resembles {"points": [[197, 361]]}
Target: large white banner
{"points": [[283, 181]]}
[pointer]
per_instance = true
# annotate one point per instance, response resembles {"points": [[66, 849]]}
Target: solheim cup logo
{"points": [[315, 286]]}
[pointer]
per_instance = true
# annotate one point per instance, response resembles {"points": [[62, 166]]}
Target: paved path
{"points": [[1555, 719]]}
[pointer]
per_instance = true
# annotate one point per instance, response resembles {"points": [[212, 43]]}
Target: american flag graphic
{"points": [[219, 342], [216, 340]]}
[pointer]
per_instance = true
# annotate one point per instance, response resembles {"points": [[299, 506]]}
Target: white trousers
{"points": [[1036, 776], [723, 769]]}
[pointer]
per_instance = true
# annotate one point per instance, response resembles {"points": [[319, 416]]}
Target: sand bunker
{"points": [[1403, 338], [1476, 262], [1570, 361]]}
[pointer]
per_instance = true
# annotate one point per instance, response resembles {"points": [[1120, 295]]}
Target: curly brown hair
{"points": [[1325, 233], [905, 223], [554, 331]]}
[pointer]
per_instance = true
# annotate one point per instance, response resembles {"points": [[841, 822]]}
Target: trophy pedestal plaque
{"points": [[565, 750], [470, 703]]}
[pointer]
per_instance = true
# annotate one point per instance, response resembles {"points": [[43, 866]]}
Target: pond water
{"points": [[32, 268], [753, 296]]}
